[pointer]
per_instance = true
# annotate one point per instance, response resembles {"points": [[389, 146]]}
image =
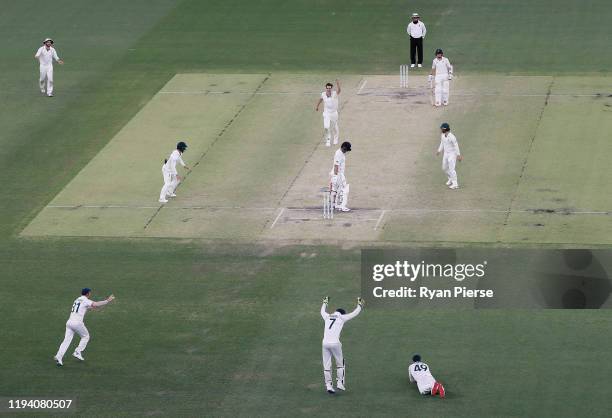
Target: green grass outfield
{"points": [[208, 328]]}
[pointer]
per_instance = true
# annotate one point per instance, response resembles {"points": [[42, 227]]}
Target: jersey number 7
{"points": [[333, 320]]}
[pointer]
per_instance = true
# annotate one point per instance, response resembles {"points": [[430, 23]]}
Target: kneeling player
{"points": [[419, 372]]}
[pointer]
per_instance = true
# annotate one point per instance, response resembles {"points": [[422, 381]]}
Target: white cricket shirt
{"points": [[340, 161], [334, 323], [442, 66], [330, 104], [170, 165], [420, 373], [46, 57], [416, 30], [449, 144], [79, 309]]}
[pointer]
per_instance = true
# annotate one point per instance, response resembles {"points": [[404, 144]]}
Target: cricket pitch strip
{"points": [[261, 167]]}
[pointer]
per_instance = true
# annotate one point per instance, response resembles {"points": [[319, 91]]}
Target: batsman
{"points": [[339, 188], [441, 75]]}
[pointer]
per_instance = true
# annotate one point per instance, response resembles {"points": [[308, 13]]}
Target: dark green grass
{"points": [[198, 331]]}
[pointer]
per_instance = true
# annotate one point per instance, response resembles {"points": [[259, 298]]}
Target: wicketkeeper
{"points": [[331, 343], [338, 187]]}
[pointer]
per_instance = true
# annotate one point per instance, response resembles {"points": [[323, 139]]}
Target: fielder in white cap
{"points": [[45, 56]]}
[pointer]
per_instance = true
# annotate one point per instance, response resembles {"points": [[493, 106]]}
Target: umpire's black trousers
{"points": [[416, 44]]}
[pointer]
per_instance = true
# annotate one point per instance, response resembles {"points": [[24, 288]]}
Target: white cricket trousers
{"points": [[448, 166], [46, 79], [71, 328], [335, 350], [441, 89], [170, 183], [330, 123]]}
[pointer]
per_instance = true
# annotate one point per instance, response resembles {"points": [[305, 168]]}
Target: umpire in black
{"points": [[416, 29]]}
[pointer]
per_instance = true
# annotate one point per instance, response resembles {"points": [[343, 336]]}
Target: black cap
{"points": [[439, 51], [341, 311], [85, 291], [445, 126], [346, 145], [416, 358]]}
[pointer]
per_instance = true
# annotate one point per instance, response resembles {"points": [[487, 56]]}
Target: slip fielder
{"points": [[75, 324], [330, 112], [338, 187], [419, 372], [441, 74], [169, 173], [331, 343], [45, 56], [450, 146]]}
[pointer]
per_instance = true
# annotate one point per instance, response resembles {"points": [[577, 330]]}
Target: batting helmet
{"points": [[181, 146], [439, 51], [346, 145], [445, 126]]}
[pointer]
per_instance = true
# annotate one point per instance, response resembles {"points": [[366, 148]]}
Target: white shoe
{"points": [[437, 105], [449, 182], [335, 142], [58, 361], [43, 91], [340, 386], [445, 103], [50, 95], [327, 144], [411, 65], [453, 186], [78, 355], [172, 195], [342, 209], [420, 65], [330, 389], [163, 200]]}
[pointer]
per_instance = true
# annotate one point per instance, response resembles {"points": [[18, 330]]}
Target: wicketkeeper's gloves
{"points": [[326, 300], [360, 302]]}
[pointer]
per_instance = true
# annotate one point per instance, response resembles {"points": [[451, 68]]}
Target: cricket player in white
{"points": [[171, 177], [419, 372], [45, 56], [338, 187], [450, 146], [331, 342], [75, 324], [330, 112], [441, 74]]}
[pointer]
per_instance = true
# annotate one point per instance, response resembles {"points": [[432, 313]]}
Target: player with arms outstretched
{"points": [[75, 324], [332, 346], [419, 372]]}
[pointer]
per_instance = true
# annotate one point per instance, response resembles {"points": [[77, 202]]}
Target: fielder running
{"points": [[450, 146], [419, 372], [75, 324], [441, 74], [338, 186], [45, 56], [332, 345], [171, 177], [330, 112]]}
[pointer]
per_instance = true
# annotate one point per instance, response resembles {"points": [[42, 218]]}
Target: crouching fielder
{"points": [[419, 372], [332, 345], [441, 74], [450, 146], [338, 187], [171, 178], [75, 324]]}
